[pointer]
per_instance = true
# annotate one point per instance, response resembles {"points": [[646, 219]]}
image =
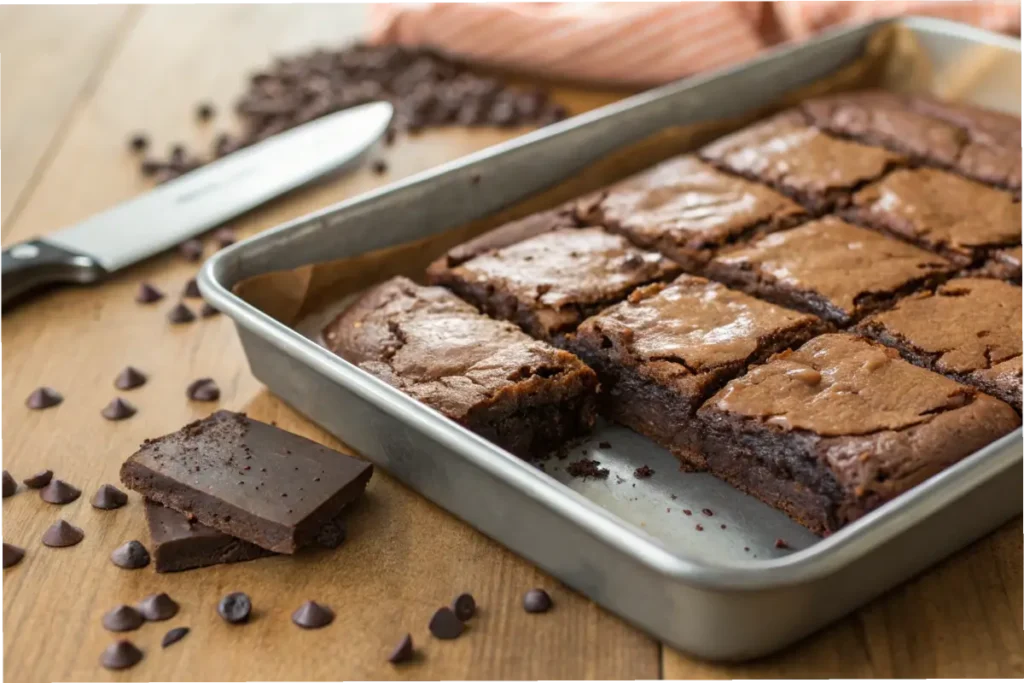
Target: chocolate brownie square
{"points": [[828, 267], [510, 233], [1003, 264], [687, 210], [802, 162], [664, 350], [959, 218], [550, 283], [524, 395], [968, 330], [838, 427]]}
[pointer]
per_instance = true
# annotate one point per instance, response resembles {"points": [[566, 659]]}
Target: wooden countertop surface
{"points": [[76, 81]]}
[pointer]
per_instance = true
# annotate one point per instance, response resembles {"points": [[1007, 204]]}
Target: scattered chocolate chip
{"points": [[173, 636], [379, 166], [203, 389], [158, 607], [204, 111], [235, 608], [118, 409], [129, 378], [59, 492], [389, 136], [537, 601], [192, 250], [42, 398], [39, 479], [445, 625], [331, 535], [148, 294], [62, 535], [781, 544], [12, 555], [131, 555], [707, 512], [585, 468], [109, 497], [138, 142], [312, 615], [403, 652], [123, 618], [10, 486], [191, 290], [643, 472], [180, 314], [208, 311], [464, 607], [224, 237], [121, 655]]}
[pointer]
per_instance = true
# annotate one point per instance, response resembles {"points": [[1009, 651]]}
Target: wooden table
{"points": [[76, 82]]}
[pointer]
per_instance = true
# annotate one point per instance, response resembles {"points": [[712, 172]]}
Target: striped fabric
{"points": [[640, 43]]}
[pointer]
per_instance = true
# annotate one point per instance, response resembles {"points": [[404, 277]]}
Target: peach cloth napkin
{"points": [[640, 43]]}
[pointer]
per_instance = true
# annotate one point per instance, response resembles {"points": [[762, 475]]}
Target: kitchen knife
{"points": [[192, 203]]}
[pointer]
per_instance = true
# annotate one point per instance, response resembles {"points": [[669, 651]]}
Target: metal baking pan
{"points": [[722, 594]]}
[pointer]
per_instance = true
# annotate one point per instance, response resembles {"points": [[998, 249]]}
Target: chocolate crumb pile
{"points": [[584, 468], [426, 89]]}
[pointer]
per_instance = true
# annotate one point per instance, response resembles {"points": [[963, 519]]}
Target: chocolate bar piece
{"points": [[179, 544]]}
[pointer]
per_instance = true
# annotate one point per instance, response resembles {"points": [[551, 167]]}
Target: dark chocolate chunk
{"points": [[191, 249], [235, 608], [129, 378], [224, 237], [59, 492], [180, 314], [42, 398], [403, 652], [123, 618], [62, 535], [191, 290], [312, 615], [464, 607], [537, 601], [12, 555], [158, 607], [208, 311], [121, 655], [203, 389], [109, 497], [204, 111], [118, 409], [148, 294], [10, 486], [131, 555], [445, 625], [39, 479], [173, 636], [179, 545], [379, 166], [138, 142]]}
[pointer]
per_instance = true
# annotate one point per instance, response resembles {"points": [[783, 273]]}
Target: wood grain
{"points": [[404, 557]]}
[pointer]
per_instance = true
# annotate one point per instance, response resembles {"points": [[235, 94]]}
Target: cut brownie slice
{"points": [[828, 267], [663, 351], [179, 544], [833, 430], [549, 283], [487, 375], [943, 212], [510, 233], [968, 330], [1003, 264], [687, 209], [800, 161]]}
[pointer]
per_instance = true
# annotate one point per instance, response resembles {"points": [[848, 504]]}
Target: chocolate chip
{"points": [[203, 389], [39, 479], [42, 398], [10, 486], [121, 655], [118, 409], [62, 535], [138, 142], [158, 607], [191, 290], [464, 607], [208, 311], [173, 636], [204, 111], [180, 314], [131, 555], [537, 601], [379, 166], [403, 652], [235, 608], [129, 378], [312, 615], [331, 535], [109, 497], [12, 555], [148, 294], [59, 492], [123, 618], [389, 136], [224, 237], [192, 250], [445, 625]]}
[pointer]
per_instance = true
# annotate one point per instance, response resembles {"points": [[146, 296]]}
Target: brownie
{"points": [[802, 162], [247, 479], [828, 267], [687, 209], [510, 233], [838, 427], [548, 284], [969, 330], [664, 350], [1003, 264], [179, 545], [524, 395], [959, 218]]}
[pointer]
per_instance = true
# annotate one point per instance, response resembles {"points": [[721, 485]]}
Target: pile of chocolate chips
{"points": [[426, 89]]}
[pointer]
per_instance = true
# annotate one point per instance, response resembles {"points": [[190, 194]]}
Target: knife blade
{"points": [[192, 203]]}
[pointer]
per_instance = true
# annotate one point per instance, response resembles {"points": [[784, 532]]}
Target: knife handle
{"points": [[28, 266]]}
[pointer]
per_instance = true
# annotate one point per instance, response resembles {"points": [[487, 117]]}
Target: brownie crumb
{"points": [[584, 468], [700, 527], [707, 512], [781, 544], [643, 472], [687, 512]]}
